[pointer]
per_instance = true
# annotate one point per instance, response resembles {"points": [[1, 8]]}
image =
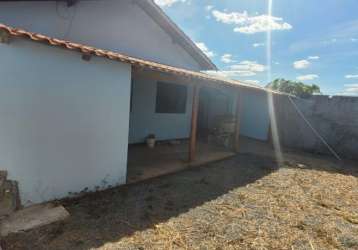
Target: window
{"points": [[171, 98]]}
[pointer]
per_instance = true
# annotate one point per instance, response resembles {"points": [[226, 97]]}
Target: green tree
{"points": [[294, 88]]}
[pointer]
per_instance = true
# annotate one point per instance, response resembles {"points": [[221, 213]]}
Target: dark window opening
{"points": [[171, 98]]}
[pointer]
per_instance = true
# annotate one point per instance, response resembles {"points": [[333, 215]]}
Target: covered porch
{"points": [[188, 119], [169, 157]]}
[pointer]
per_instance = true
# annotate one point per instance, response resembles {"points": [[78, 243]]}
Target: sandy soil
{"points": [[245, 202]]}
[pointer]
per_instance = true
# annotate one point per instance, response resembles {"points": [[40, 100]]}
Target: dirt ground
{"points": [[245, 202]]}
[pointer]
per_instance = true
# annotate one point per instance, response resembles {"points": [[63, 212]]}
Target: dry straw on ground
{"points": [[309, 203]]}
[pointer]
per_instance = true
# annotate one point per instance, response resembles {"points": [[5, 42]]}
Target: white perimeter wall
{"points": [[117, 25], [144, 120], [63, 121]]}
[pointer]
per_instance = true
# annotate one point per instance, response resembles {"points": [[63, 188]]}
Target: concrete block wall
{"points": [[334, 118]]}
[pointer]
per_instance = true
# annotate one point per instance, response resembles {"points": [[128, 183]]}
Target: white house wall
{"points": [[144, 120], [63, 121], [254, 116], [255, 119], [117, 25], [217, 106]]}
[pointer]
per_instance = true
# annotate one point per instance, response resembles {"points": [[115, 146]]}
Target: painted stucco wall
{"points": [[255, 118], [144, 120], [217, 101], [115, 25], [63, 121]]}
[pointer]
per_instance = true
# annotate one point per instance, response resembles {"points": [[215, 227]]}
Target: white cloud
{"points": [[167, 3], [301, 64], [313, 57], [231, 18], [255, 45], [253, 82], [205, 49], [350, 90], [307, 77], [209, 7], [231, 73], [251, 24], [351, 76], [227, 58], [354, 40], [351, 85], [241, 69], [250, 66]]}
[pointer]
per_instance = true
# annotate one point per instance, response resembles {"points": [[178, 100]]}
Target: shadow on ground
{"points": [[108, 216]]}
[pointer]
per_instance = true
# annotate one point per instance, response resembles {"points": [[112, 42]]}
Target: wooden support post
{"points": [[237, 122], [194, 123], [269, 135]]}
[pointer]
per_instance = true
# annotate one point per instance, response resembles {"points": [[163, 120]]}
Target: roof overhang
{"points": [[158, 16], [135, 62], [178, 36]]}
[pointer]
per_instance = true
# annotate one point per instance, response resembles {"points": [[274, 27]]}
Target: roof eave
{"points": [[158, 15], [136, 62]]}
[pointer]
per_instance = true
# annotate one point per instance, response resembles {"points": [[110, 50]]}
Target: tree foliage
{"points": [[294, 88]]}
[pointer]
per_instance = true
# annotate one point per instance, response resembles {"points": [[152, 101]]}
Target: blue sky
{"points": [[312, 41]]}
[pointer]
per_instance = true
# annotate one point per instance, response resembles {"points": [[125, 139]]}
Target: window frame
{"points": [[173, 106]]}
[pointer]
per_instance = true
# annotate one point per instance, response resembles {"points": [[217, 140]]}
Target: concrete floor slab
{"points": [[165, 158], [32, 217]]}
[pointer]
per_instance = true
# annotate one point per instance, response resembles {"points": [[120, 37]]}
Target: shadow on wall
{"points": [[102, 218]]}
